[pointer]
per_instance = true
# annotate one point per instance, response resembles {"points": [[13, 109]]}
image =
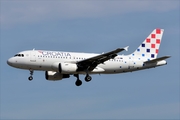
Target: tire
{"points": [[78, 82], [88, 78], [30, 78]]}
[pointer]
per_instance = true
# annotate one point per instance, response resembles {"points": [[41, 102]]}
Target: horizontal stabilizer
{"points": [[158, 59]]}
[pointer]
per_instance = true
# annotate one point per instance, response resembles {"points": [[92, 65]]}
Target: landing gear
{"points": [[30, 77], [78, 81], [88, 78]]}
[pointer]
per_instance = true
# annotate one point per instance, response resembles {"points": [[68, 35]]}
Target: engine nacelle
{"points": [[65, 68], [54, 76]]}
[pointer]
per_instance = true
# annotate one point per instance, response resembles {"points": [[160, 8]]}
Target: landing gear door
{"points": [[33, 56]]}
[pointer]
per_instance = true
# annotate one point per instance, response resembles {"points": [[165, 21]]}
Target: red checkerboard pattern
{"points": [[150, 47]]}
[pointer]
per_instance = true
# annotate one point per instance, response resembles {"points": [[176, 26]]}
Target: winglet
{"points": [[126, 48]]}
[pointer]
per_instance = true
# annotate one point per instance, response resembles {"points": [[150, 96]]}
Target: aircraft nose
{"points": [[10, 61]]}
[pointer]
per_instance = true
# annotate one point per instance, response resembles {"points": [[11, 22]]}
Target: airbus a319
{"points": [[59, 65]]}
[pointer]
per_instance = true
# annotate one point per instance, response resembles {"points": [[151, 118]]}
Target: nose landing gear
{"points": [[31, 77]]}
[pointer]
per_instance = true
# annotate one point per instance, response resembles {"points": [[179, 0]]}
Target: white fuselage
{"points": [[59, 65], [44, 61]]}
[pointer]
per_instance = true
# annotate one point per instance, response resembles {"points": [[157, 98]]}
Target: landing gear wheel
{"points": [[78, 82], [88, 78], [31, 73], [30, 78]]}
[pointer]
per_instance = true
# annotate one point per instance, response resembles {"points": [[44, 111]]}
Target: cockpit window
{"points": [[19, 55]]}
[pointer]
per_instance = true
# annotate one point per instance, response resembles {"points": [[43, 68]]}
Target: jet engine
{"points": [[54, 76], [65, 68]]}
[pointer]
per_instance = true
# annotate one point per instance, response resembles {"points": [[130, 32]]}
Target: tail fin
{"points": [[149, 49]]}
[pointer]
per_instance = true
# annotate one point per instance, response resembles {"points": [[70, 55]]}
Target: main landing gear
{"points": [[31, 77], [88, 78], [79, 82]]}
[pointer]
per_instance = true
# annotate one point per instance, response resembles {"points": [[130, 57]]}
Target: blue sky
{"points": [[89, 26]]}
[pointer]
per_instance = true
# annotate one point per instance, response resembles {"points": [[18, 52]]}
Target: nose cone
{"points": [[10, 61]]}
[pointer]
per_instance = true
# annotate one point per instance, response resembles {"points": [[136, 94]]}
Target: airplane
{"points": [[59, 65]]}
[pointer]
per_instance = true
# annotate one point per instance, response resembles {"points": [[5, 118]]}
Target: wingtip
{"points": [[126, 48]]}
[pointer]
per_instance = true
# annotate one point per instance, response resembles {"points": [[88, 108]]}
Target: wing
{"points": [[90, 63]]}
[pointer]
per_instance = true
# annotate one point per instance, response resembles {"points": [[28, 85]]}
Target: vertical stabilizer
{"points": [[149, 49]]}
